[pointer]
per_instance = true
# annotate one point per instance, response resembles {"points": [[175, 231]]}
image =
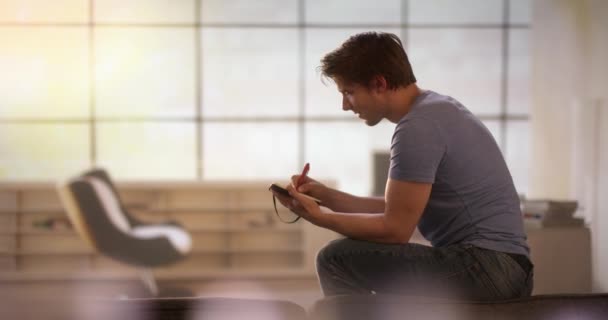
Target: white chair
{"points": [[96, 212]]}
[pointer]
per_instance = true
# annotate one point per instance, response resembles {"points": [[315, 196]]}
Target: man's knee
{"points": [[332, 250]]}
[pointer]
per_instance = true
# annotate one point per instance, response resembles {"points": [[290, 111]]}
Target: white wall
{"points": [[557, 48], [570, 79], [598, 91]]}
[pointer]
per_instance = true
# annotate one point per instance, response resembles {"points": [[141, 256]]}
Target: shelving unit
{"points": [[233, 226]]}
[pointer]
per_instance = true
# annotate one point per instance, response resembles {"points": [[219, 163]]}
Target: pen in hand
{"points": [[303, 175]]}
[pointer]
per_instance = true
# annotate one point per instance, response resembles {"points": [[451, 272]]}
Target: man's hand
{"points": [[333, 200], [300, 205], [311, 187]]}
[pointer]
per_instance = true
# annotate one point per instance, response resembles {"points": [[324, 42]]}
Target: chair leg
{"points": [[147, 277]]}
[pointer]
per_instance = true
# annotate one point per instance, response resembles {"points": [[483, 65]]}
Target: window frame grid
{"points": [[301, 119]]}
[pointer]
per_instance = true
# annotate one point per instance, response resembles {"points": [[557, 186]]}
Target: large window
{"points": [[228, 89]]}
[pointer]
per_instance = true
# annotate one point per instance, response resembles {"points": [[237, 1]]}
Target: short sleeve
{"points": [[417, 149]]}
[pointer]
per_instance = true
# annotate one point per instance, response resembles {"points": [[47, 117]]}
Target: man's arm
{"points": [[337, 200], [405, 203], [343, 202]]}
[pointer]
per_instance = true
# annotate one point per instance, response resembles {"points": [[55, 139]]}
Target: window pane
{"points": [[250, 72], [242, 151], [353, 11], [144, 72], [247, 11], [44, 72], [455, 12], [518, 153], [147, 150], [44, 11], [43, 151], [518, 100], [462, 63], [520, 11], [323, 99], [343, 152], [146, 11]]}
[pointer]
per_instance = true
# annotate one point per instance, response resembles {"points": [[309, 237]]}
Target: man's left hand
{"points": [[300, 205]]}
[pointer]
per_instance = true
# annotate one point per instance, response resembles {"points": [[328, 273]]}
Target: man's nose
{"points": [[345, 104]]}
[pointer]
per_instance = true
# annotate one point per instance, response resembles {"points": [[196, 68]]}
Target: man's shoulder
{"points": [[433, 102], [419, 129], [415, 121], [434, 107]]}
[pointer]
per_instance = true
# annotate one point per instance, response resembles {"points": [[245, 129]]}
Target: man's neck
{"points": [[400, 102]]}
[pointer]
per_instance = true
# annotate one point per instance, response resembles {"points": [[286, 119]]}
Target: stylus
{"points": [[303, 175]]}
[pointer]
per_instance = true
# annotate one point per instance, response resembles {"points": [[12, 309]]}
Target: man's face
{"points": [[360, 100]]}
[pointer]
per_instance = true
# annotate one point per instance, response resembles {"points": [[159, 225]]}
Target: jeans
{"points": [[465, 272]]}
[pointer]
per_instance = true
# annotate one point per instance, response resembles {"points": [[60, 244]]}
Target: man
{"points": [[447, 177]]}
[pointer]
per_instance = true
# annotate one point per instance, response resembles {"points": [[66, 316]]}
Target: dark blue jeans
{"points": [[465, 272]]}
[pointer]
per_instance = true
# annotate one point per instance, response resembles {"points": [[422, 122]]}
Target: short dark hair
{"points": [[366, 55]]}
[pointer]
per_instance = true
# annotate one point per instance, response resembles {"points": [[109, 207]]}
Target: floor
{"points": [[71, 295]]}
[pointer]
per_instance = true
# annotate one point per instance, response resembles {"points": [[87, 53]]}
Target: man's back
{"points": [[473, 200]]}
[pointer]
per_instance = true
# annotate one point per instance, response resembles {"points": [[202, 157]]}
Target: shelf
{"points": [[264, 251], [234, 230], [202, 210], [191, 231], [131, 274], [55, 253], [36, 232], [245, 230], [155, 211], [225, 251], [53, 210]]}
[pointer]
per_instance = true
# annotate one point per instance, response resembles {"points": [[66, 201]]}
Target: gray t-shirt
{"points": [[473, 199]]}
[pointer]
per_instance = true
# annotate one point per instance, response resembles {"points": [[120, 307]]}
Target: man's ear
{"points": [[379, 84]]}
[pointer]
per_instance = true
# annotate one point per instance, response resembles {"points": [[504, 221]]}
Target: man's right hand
{"points": [[336, 200], [311, 187]]}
